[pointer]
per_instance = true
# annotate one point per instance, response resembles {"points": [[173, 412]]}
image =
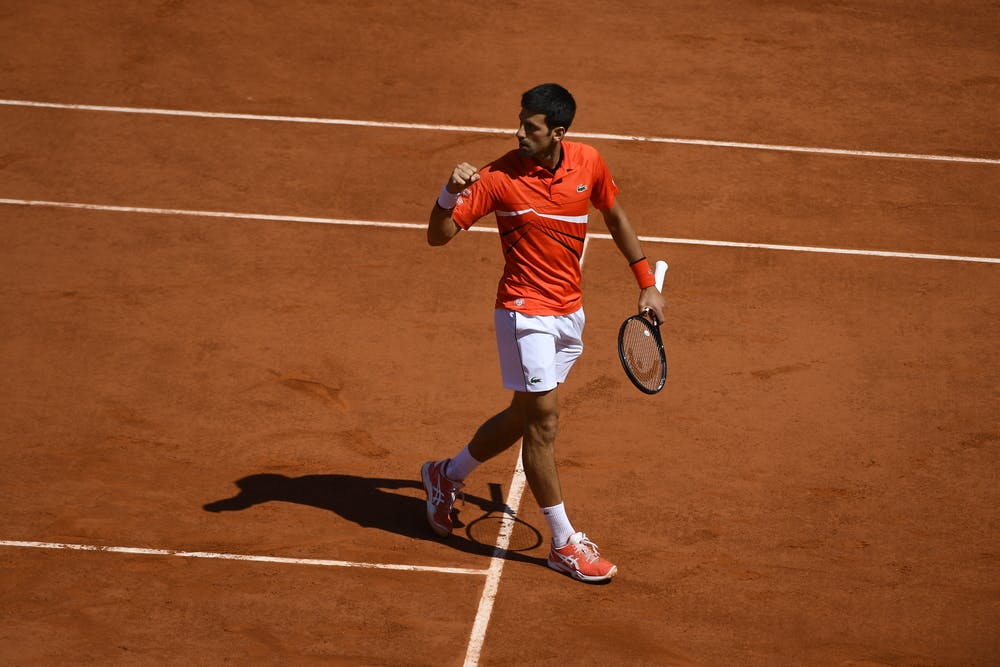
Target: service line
{"points": [[142, 551]]}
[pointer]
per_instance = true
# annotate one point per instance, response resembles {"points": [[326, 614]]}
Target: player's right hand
{"points": [[462, 177]]}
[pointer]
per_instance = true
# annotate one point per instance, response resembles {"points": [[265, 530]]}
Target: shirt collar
{"points": [[567, 164]]}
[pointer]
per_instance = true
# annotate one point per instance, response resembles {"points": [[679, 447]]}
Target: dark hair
{"points": [[553, 101]]}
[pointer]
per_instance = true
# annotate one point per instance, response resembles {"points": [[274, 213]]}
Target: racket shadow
{"points": [[371, 502]]}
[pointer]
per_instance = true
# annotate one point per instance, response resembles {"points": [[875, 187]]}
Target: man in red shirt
{"points": [[541, 195]]}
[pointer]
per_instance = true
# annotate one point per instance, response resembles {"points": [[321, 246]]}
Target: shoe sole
{"points": [[580, 576], [440, 531]]}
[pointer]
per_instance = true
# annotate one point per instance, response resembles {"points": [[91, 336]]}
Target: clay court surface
{"points": [[227, 348]]}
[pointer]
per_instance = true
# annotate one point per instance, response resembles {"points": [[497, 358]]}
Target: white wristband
{"points": [[447, 200]]}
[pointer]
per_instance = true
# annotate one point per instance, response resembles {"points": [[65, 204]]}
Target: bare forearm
{"points": [[628, 244], [441, 227], [623, 234]]}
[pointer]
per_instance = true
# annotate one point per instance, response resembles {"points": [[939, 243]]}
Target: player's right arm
{"points": [[441, 228]]}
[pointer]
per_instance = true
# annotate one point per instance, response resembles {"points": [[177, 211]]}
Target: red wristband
{"points": [[643, 273]]}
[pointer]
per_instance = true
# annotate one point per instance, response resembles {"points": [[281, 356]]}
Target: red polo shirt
{"points": [[542, 219]]}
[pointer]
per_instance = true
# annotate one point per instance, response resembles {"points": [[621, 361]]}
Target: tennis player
{"points": [[540, 194]]}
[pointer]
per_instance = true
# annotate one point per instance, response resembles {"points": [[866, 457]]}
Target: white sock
{"points": [[461, 466], [559, 524]]}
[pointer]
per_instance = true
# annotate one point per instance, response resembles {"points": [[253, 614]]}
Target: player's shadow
{"points": [[371, 503]]}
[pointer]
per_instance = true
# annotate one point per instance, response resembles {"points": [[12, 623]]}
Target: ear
{"points": [[558, 133]]}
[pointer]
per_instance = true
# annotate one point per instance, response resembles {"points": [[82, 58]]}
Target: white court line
{"points": [[478, 635], [209, 214], [495, 570], [493, 573], [496, 130], [241, 557], [802, 248], [517, 484], [411, 225]]}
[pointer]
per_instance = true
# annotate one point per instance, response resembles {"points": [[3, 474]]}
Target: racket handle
{"points": [[659, 272]]}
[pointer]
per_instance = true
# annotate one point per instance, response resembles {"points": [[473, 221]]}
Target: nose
{"points": [[520, 134]]}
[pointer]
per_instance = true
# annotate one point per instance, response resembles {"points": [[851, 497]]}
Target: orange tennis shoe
{"points": [[441, 493], [581, 560]]}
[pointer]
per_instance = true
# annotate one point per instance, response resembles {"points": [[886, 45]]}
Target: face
{"points": [[534, 138]]}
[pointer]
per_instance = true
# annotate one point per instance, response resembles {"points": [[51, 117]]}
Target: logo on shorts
{"points": [[581, 188], [535, 380]]}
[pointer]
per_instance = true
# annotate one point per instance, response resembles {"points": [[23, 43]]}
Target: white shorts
{"points": [[537, 351]]}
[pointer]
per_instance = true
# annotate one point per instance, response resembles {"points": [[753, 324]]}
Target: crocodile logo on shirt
{"points": [[581, 188]]}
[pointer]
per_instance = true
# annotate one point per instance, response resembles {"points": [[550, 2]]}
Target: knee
{"points": [[543, 426], [540, 416]]}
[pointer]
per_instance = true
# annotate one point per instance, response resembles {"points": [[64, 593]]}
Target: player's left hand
{"points": [[652, 299]]}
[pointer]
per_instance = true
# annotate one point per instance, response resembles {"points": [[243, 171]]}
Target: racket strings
{"points": [[641, 354]]}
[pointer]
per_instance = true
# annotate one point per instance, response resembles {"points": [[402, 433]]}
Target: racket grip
{"points": [[659, 273]]}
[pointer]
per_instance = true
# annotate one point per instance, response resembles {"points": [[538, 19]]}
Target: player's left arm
{"points": [[628, 244]]}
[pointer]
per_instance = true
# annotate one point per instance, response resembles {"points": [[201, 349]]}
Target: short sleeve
{"points": [[604, 190], [476, 202]]}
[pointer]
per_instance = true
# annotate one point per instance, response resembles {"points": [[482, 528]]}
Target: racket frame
{"points": [[649, 321], [652, 324]]}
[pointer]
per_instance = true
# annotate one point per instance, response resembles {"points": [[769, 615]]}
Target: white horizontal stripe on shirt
{"points": [[577, 219]]}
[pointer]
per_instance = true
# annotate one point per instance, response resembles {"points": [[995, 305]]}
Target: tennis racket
{"points": [[640, 347]]}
